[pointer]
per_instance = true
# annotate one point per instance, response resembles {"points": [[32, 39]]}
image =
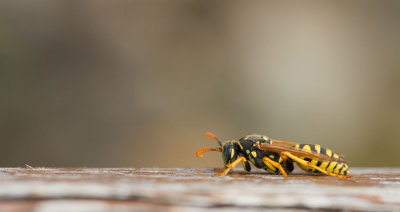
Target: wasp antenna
{"points": [[210, 135], [198, 153]]}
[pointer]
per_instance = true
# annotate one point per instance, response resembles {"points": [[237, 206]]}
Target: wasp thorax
{"points": [[256, 137]]}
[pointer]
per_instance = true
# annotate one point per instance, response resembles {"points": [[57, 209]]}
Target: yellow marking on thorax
{"points": [[232, 153], [271, 156], [252, 160], [240, 145], [254, 154], [248, 151]]}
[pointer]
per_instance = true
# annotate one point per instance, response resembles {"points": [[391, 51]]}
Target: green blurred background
{"points": [[138, 83]]}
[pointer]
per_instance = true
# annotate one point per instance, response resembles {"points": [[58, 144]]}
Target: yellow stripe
{"points": [[323, 165], [297, 146], [307, 148], [252, 160], [336, 171], [329, 152], [232, 153], [240, 145], [330, 168], [314, 162], [318, 148], [344, 169]]}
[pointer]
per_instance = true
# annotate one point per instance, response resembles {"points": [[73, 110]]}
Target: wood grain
{"points": [[182, 189]]}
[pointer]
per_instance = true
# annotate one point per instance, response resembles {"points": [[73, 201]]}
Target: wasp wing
{"points": [[283, 142], [278, 148]]}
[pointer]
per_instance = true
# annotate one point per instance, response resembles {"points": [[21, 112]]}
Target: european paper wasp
{"points": [[277, 156]]}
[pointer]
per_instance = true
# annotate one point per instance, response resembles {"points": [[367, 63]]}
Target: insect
{"points": [[277, 156]]}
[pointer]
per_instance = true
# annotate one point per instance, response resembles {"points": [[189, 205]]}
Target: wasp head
{"points": [[227, 148], [228, 153]]}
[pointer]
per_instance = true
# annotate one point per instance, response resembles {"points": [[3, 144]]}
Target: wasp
{"points": [[277, 156]]}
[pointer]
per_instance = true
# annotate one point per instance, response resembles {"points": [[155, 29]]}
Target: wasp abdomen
{"points": [[335, 166]]}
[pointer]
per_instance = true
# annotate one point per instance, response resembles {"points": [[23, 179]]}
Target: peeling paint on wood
{"points": [[153, 189]]}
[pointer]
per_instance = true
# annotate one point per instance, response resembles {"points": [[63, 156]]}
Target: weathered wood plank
{"points": [[149, 189]]}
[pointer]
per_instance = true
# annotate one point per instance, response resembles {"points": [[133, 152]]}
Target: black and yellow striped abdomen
{"points": [[335, 167]]}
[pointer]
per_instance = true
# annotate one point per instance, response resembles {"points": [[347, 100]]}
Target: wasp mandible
{"points": [[277, 156]]}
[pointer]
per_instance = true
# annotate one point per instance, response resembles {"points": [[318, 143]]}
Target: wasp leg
{"points": [[270, 163], [233, 165], [284, 158], [246, 165], [306, 163]]}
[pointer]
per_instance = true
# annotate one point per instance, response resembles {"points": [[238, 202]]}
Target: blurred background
{"points": [[138, 83]]}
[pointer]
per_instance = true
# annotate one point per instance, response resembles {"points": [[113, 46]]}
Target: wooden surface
{"points": [[185, 189]]}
